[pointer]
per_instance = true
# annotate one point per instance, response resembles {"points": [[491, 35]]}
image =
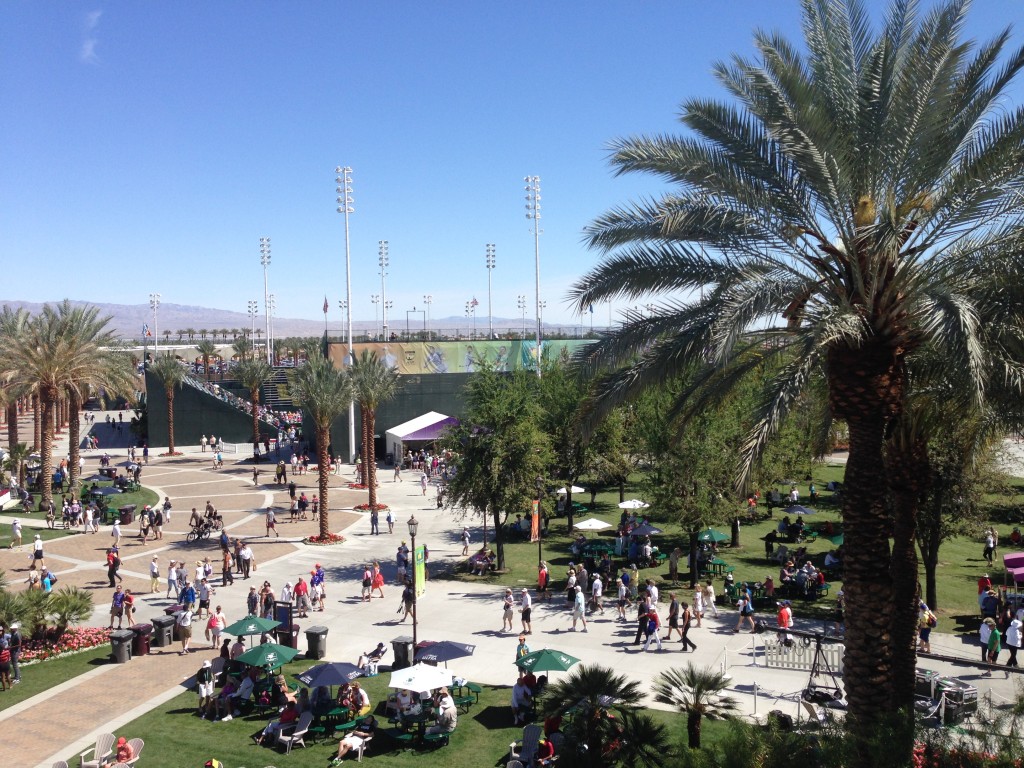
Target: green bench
{"points": [[435, 740]]}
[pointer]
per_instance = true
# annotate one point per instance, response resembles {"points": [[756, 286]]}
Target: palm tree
{"points": [[207, 349], [253, 374], [181, 334], [191, 333], [324, 392], [69, 605], [14, 463], [170, 372], [167, 336], [242, 348], [12, 325], [373, 383], [851, 194], [603, 705], [698, 693]]}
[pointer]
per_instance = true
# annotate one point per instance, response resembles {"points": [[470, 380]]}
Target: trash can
{"points": [[141, 639], [289, 638], [163, 627], [127, 513], [121, 645], [316, 642], [402, 647]]}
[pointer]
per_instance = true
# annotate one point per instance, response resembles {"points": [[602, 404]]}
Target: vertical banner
{"points": [[535, 521], [418, 568]]}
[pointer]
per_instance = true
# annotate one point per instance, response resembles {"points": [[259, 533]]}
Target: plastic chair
{"points": [[103, 749], [136, 745], [297, 736]]}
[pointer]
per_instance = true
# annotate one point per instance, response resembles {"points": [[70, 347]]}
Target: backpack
{"points": [[931, 620]]}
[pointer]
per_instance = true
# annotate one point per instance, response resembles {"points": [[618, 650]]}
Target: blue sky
{"points": [[147, 146]]}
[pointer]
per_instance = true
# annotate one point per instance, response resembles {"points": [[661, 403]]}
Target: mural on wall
{"points": [[421, 357]]}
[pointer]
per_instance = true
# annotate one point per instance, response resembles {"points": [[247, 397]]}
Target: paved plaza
{"points": [[448, 610]]}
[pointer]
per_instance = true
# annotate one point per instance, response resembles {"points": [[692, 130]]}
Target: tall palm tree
{"points": [[171, 373], [191, 333], [242, 348], [850, 193], [604, 719], [253, 374], [324, 392], [698, 693], [14, 464], [373, 383], [12, 325], [208, 350]]}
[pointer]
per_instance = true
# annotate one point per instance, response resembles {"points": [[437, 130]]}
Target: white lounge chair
{"points": [[103, 749], [296, 735], [527, 747]]}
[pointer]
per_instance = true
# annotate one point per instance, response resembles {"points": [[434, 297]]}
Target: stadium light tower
{"points": [[154, 303], [343, 178], [382, 260], [265, 261], [490, 269], [533, 213], [428, 300]]}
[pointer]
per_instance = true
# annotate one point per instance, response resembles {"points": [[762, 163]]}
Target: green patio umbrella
{"points": [[710, 535], [269, 655], [251, 625], [546, 660]]}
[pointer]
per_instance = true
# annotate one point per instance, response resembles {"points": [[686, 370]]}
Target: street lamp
{"points": [[271, 306], [413, 528], [541, 307], [471, 312], [265, 261], [413, 311], [522, 309], [539, 485], [428, 300], [490, 269], [375, 300], [254, 309], [382, 260], [154, 303], [533, 213], [343, 179]]}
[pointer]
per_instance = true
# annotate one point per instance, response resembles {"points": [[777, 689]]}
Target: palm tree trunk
{"points": [[366, 443], [254, 395], [74, 435], [499, 540], [930, 558], [37, 423], [865, 387], [48, 402], [323, 468], [12, 425], [693, 729], [370, 470], [170, 420]]}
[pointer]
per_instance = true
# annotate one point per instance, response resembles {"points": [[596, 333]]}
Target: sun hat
{"points": [[207, 664]]}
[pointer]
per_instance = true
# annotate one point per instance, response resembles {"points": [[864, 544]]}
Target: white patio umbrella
{"points": [[574, 489], [420, 678], [592, 524], [634, 504]]}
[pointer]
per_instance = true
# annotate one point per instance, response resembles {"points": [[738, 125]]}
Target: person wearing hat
{"points": [[507, 608], [465, 541], [123, 752], [526, 609], [37, 552], [579, 609], [14, 644], [984, 585], [204, 687], [212, 762], [447, 715], [993, 643], [15, 533]]}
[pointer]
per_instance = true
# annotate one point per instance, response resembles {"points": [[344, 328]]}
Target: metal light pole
{"points": [[382, 260], [154, 303], [541, 308], [522, 310], [490, 269], [533, 213], [254, 309], [375, 300], [428, 300], [344, 189], [265, 261], [271, 306], [413, 528]]}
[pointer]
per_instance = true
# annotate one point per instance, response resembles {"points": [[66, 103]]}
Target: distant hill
{"points": [[128, 320]]}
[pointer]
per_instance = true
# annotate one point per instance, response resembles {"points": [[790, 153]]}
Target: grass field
{"points": [[37, 678]]}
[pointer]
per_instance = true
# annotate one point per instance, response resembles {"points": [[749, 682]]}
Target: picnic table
{"points": [[716, 566]]}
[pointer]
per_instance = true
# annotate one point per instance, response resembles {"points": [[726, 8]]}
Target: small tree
{"points": [[171, 374], [253, 374], [69, 605], [698, 693], [373, 383], [207, 349]]}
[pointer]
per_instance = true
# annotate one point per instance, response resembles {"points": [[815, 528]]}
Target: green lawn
{"points": [[38, 678], [175, 737], [140, 498]]}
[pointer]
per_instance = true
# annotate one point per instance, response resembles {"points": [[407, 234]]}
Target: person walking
{"points": [[697, 609], [653, 629], [673, 616], [115, 531], [623, 599], [746, 609], [398, 472], [255, 476], [507, 610], [154, 574], [184, 622], [597, 593], [226, 576], [271, 522], [526, 610], [245, 556], [367, 593], [390, 521], [167, 509], [378, 579], [994, 644], [15, 533], [685, 621], [117, 607], [113, 565], [1013, 640], [374, 522], [579, 609], [709, 598], [465, 541]]}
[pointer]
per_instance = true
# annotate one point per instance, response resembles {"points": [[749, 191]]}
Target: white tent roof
{"points": [[415, 425]]}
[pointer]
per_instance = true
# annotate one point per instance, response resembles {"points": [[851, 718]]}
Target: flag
{"points": [[326, 305], [474, 302], [591, 309], [145, 330]]}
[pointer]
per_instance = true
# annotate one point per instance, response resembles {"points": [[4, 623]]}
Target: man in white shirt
{"points": [[597, 591], [527, 606], [185, 630]]}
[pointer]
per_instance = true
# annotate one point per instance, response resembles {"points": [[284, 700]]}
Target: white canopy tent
{"points": [[422, 429]]}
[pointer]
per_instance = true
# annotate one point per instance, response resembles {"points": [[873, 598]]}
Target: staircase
{"points": [[275, 394]]}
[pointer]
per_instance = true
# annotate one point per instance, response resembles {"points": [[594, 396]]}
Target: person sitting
{"points": [[360, 700], [787, 573], [123, 752], [356, 739], [320, 702], [372, 658], [545, 754], [783, 526], [832, 560], [522, 702], [275, 727], [447, 717], [406, 703], [530, 680], [1015, 537]]}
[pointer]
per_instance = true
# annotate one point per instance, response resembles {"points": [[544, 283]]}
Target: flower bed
{"points": [[176, 453], [367, 507], [325, 541], [357, 486], [74, 640]]}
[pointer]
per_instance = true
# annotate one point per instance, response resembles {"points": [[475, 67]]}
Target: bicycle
{"points": [[201, 531]]}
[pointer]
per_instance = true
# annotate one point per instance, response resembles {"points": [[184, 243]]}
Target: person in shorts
{"points": [[204, 687], [184, 622], [117, 607]]}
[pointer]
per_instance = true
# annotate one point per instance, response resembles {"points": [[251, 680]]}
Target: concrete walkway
{"points": [[448, 610]]}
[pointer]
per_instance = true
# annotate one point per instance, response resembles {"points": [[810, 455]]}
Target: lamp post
{"points": [[265, 261], [375, 300], [471, 312], [490, 269], [383, 261], [413, 528], [541, 307], [154, 303], [539, 485], [343, 178], [271, 306], [533, 213], [428, 300], [254, 309], [522, 310]]}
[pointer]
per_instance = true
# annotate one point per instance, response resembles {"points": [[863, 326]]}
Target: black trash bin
{"points": [[288, 638], [163, 628], [127, 513], [121, 645], [141, 639], [402, 647], [316, 642]]}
